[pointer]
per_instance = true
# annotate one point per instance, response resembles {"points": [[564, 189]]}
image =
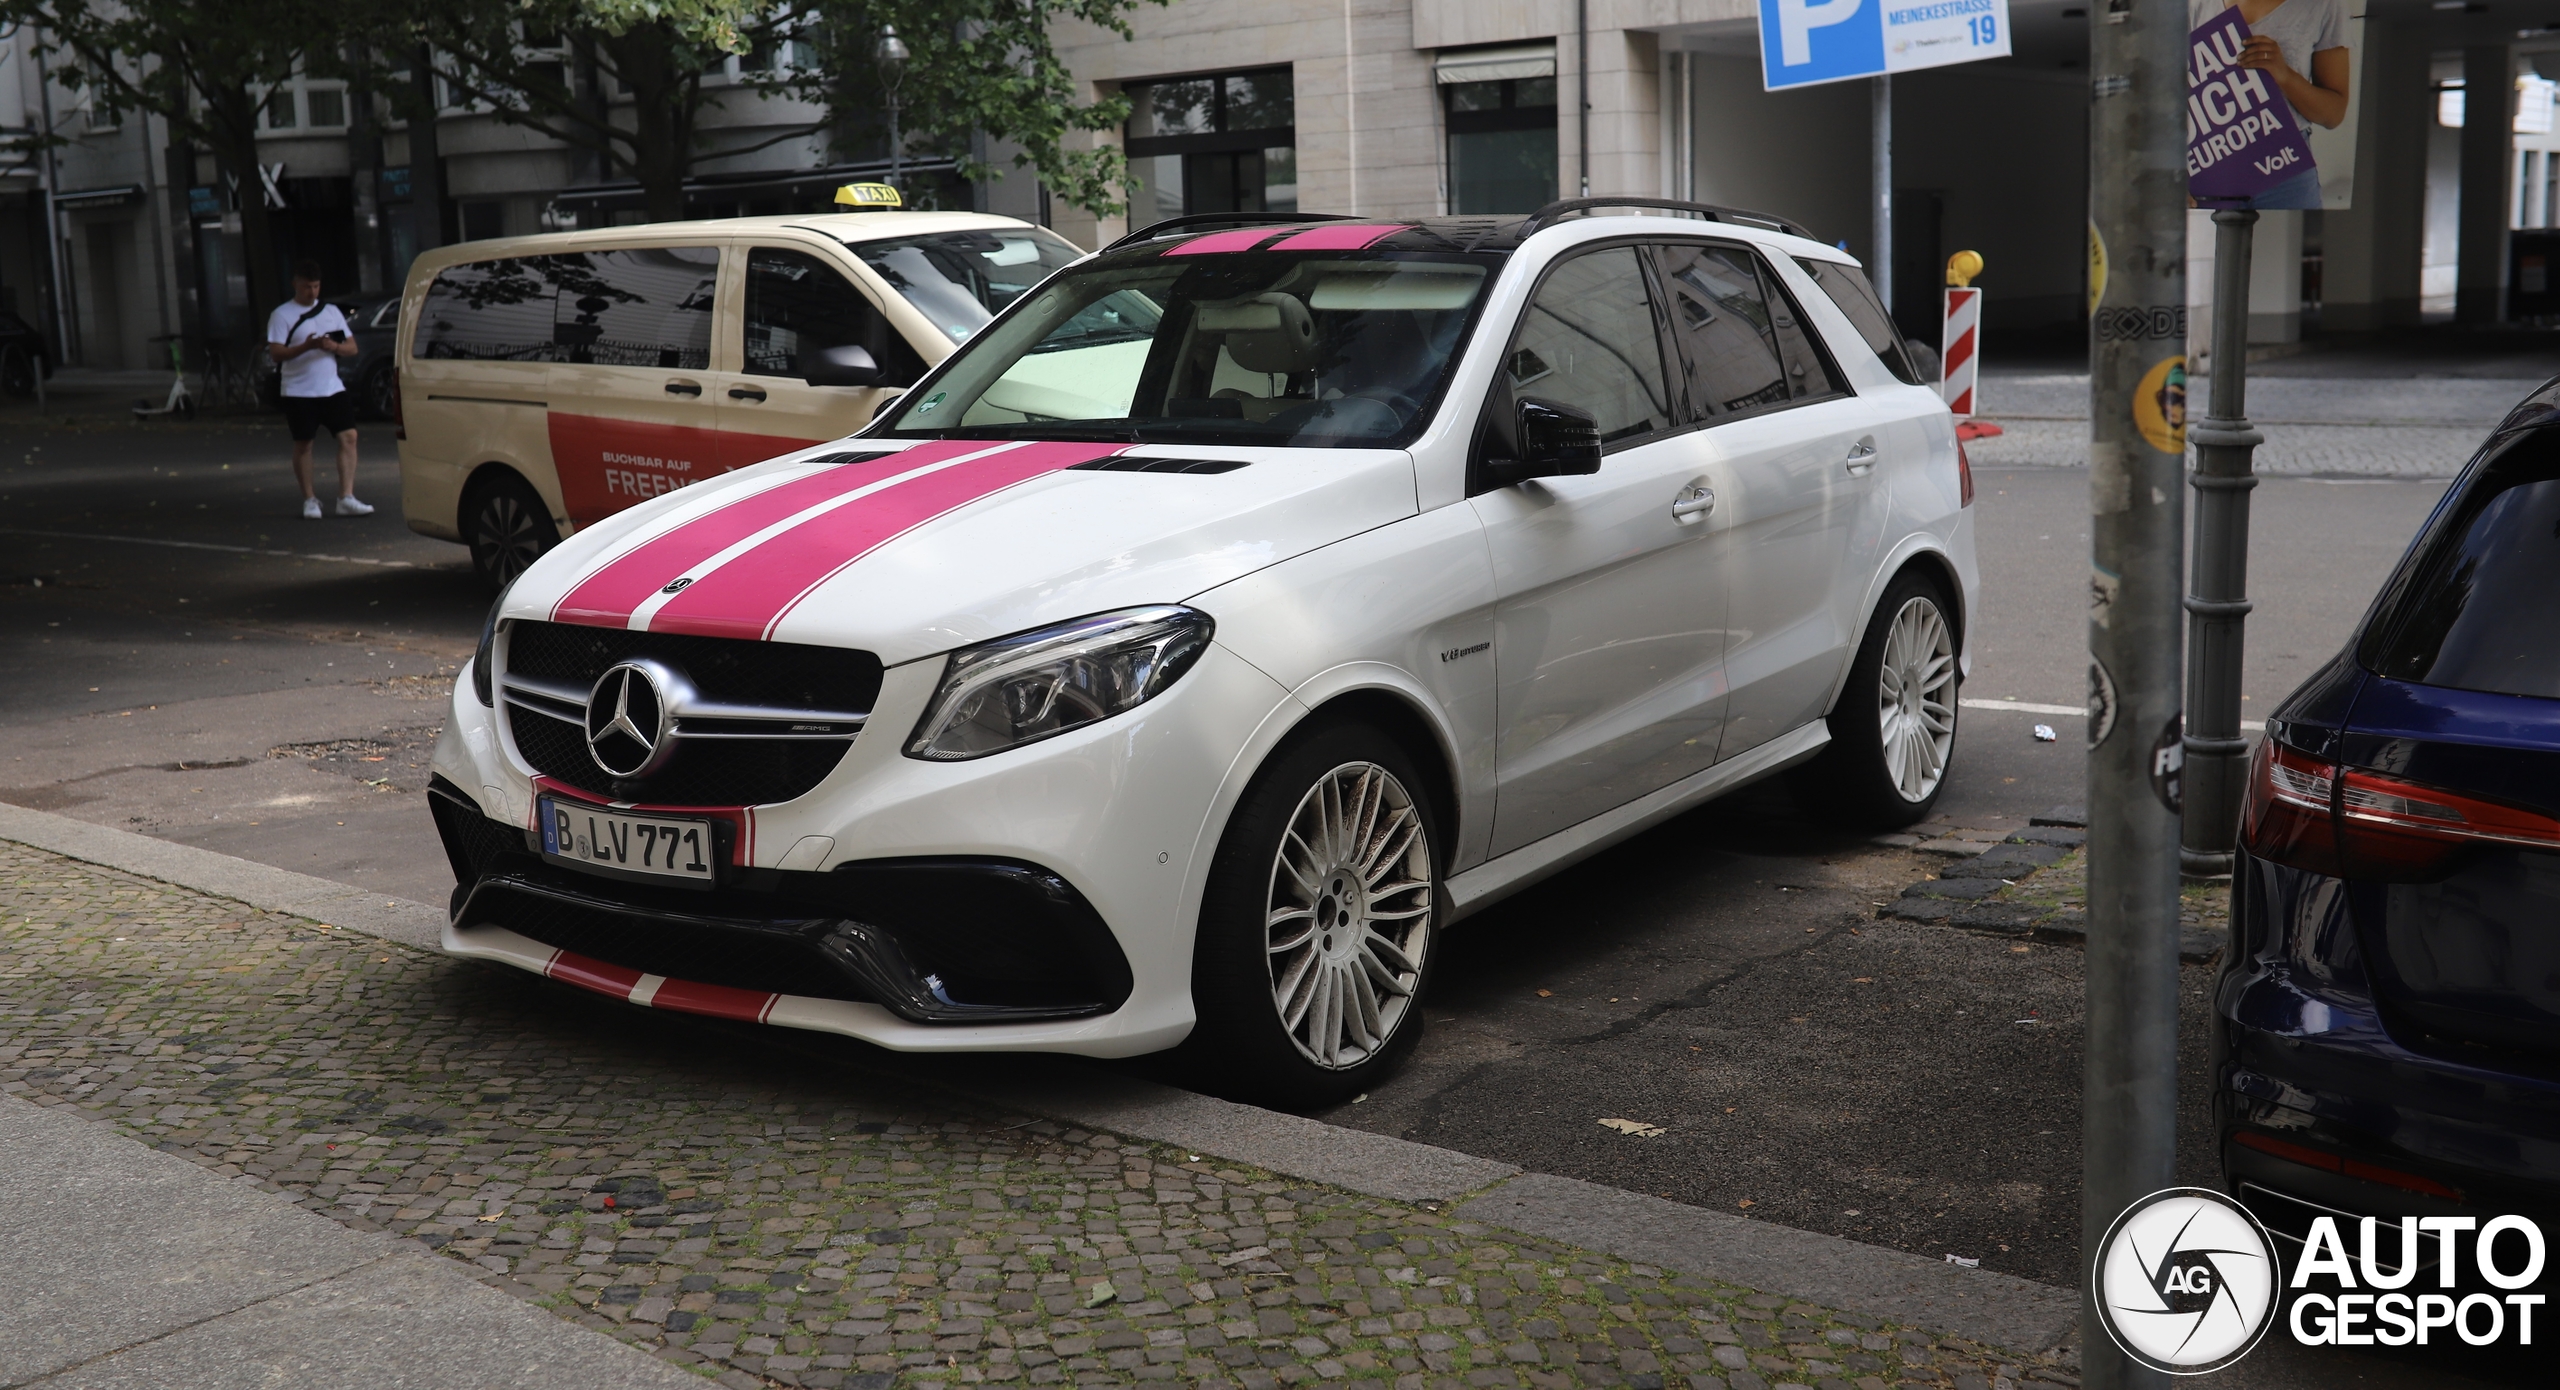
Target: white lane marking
{"points": [[648, 607], [2072, 711], [209, 545]]}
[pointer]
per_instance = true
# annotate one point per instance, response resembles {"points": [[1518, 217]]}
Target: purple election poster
{"points": [[2241, 135]]}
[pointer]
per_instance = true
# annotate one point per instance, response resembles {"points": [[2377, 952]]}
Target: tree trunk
{"points": [[233, 122], [662, 110], [426, 160]]}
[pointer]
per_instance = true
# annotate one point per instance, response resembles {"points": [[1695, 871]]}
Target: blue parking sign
{"points": [[1803, 42]]}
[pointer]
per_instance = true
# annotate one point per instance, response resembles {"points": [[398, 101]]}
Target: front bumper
{"points": [[916, 904]]}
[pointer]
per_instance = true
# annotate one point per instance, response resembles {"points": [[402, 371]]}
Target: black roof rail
{"points": [[1198, 220], [1575, 207]]}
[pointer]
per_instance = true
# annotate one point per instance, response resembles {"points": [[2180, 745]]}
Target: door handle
{"points": [[684, 388], [1693, 503], [1862, 456], [746, 393]]}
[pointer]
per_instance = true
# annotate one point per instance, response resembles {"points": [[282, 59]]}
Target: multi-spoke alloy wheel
{"points": [[1916, 698], [509, 529], [1349, 921]]}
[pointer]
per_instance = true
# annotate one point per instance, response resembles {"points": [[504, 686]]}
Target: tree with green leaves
{"points": [[204, 66], [978, 67]]}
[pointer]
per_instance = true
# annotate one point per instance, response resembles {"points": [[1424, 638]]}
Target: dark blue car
{"points": [[2387, 1026]]}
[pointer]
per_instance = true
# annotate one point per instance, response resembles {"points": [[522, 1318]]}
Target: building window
{"points": [[1501, 110], [305, 103], [1224, 143]]}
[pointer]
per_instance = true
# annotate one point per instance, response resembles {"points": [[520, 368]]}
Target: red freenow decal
{"points": [[607, 597], [1216, 242], [714, 1001], [605, 465], [754, 591], [1339, 237]]}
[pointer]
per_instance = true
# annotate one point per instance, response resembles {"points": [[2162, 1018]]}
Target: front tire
{"points": [[1893, 729], [507, 526], [1316, 931]]}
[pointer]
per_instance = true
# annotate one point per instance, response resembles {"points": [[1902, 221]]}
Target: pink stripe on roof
{"points": [[750, 595], [606, 597], [1339, 237], [1215, 242]]}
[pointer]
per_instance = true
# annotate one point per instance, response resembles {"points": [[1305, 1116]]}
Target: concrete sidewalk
{"points": [[131, 1267]]}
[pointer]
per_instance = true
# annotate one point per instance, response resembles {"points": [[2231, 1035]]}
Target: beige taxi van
{"points": [[549, 381]]}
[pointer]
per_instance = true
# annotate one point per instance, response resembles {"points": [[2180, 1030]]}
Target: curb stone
{"points": [[1987, 1308]]}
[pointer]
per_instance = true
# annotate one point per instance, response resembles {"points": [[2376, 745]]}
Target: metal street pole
{"points": [[2137, 506], [1880, 100], [2217, 601]]}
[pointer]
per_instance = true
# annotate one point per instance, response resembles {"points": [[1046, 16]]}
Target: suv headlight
{"points": [[481, 675], [1033, 685]]}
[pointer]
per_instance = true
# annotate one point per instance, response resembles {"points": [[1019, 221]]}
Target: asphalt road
{"points": [[1721, 977]]}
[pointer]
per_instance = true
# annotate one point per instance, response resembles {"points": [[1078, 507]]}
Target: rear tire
{"points": [[1316, 931], [507, 526], [375, 392], [1893, 729]]}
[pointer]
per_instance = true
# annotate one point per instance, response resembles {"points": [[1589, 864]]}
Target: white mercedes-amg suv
{"points": [[1181, 660]]}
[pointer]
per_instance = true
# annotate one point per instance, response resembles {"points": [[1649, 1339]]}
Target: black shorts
{"points": [[334, 413]]}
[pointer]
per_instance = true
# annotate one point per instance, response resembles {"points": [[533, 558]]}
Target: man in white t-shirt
{"points": [[305, 337]]}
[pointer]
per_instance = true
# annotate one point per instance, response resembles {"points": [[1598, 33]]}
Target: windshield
{"points": [[960, 280], [1253, 347]]}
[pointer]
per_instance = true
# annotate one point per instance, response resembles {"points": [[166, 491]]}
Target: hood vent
{"points": [[1124, 463]]}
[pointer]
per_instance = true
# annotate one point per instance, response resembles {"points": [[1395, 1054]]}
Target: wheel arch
{"points": [[1921, 555], [489, 473]]}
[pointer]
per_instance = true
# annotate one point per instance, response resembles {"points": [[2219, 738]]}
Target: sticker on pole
{"points": [[1803, 42], [2244, 147]]}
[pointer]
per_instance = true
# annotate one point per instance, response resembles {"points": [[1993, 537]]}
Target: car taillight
{"points": [[1964, 477], [2310, 1157], [399, 421], [2315, 815]]}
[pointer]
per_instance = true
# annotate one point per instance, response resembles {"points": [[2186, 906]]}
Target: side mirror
{"points": [[849, 364], [1554, 440]]}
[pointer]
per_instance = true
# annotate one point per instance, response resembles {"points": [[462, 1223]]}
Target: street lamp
{"points": [[892, 58]]}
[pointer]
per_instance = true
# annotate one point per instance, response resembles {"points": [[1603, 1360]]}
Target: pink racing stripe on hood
{"points": [[607, 597], [749, 595]]}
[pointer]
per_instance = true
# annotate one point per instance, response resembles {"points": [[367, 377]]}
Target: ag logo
{"points": [[2186, 1281]]}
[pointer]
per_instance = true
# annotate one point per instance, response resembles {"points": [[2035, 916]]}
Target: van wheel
{"points": [[1893, 731], [507, 526], [1316, 929]]}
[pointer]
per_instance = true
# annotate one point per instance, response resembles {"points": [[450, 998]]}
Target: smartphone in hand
{"points": [[337, 335]]}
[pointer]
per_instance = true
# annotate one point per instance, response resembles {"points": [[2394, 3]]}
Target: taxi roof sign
{"points": [[869, 195]]}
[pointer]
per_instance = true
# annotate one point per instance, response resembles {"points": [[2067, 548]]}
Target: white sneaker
{"points": [[311, 509], [349, 506]]}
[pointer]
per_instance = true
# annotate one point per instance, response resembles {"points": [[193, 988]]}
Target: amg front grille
{"points": [[747, 723]]}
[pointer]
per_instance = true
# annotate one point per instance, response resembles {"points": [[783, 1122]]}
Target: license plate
{"points": [[660, 846]]}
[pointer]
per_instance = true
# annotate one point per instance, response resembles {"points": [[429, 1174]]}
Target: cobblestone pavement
{"points": [[2314, 426], [700, 1193]]}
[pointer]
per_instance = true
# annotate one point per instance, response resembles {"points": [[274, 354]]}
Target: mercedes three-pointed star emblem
{"points": [[628, 720]]}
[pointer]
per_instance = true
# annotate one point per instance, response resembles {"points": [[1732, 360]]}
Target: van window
{"points": [[493, 311], [640, 307], [959, 280], [798, 305]]}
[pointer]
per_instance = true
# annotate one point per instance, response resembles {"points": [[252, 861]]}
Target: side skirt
{"points": [[1495, 879]]}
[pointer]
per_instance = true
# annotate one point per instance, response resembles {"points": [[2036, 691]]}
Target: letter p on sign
{"points": [[1797, 21]]}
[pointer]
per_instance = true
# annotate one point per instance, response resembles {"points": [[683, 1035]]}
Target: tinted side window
{"points": [[492, 311], [645, 307], [798, 304], [1809, 371], [2473, 611], [1728, 338], [1589, 340], [1850, 289]]}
